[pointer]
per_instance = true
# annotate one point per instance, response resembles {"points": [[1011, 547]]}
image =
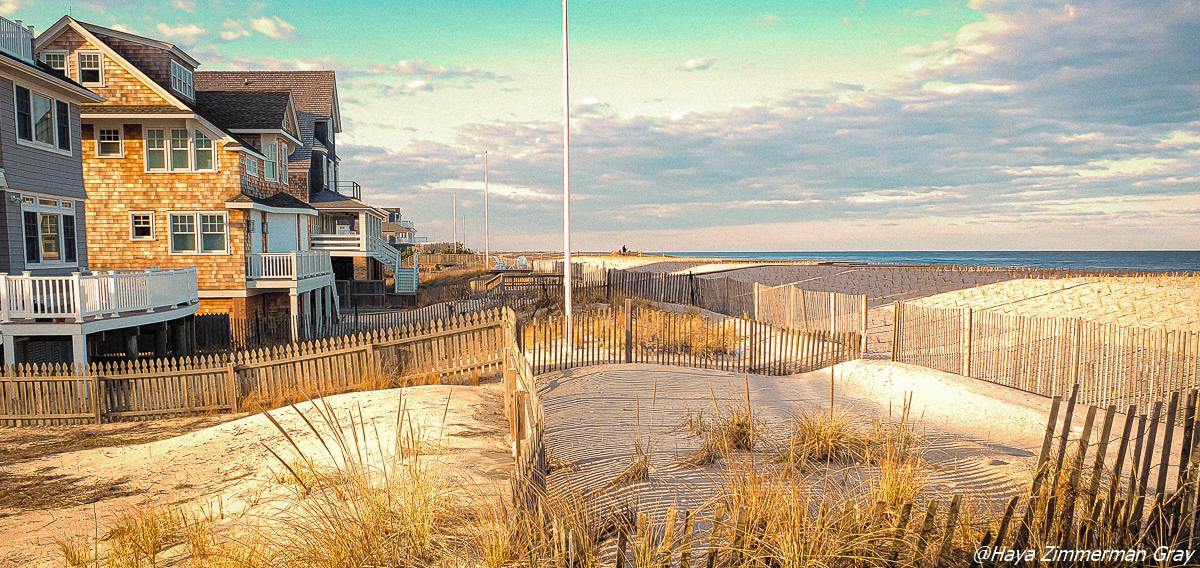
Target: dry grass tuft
{"points": [[638, 469], [76, 552], [138, 536], [898, 451], [825, 436]]}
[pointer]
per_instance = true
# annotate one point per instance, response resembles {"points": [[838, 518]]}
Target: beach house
{"points": [[181, 177], [55, 307], [346, 226]]}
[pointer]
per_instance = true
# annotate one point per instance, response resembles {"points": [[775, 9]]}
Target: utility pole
{"points": [[566, 176], [487, 247]]}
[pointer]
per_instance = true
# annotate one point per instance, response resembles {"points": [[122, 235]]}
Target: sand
{"points": [[228, 465], [983, 439]]}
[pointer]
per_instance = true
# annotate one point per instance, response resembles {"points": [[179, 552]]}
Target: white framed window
{"points": [[203, 153], [180, 148], [156, 150], [42, 120], [49, 231], [109, 143], [251, 166], [181, 80], [56, 60], [199, 233], [141, 226], [283, 163], [271, 165], [90, 67]]}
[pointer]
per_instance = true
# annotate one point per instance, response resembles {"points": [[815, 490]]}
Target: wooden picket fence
{"points": [[632, 334], [1112, 364], [457, 349]]}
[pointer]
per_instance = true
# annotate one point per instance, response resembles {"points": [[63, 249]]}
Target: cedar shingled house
{"points": [[178, 177], [53, 309], [350, 229]]}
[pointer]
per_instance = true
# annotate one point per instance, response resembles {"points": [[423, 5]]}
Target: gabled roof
{"points": [[315, 92], [126, 36], [281, 200], [234, 110]]}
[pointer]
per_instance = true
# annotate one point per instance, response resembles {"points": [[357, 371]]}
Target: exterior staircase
{"points": [[407, 279]]}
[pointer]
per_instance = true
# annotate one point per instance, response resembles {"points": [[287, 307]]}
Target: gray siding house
{"points": [[52, 309]]}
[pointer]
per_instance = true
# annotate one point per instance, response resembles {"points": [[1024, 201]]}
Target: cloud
{"points": [[274, 27], [185, 5], [184, 33], [768, 21], [419, 68], [415, 86], [10, 7], [1038, 127], [233, 29], [700, 64]]}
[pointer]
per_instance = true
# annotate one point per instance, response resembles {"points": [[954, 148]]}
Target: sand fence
{"points": [[1119, 365]]}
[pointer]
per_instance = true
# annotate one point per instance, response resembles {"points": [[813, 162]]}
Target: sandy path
{"points": [[229, 465], [594, 415]]}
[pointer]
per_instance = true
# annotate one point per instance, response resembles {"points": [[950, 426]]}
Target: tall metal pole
{"points": [[566, 176], [454, 219], [487, 247]]}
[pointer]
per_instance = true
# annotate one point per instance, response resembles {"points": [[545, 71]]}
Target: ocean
{"points": [[1140, 261]]}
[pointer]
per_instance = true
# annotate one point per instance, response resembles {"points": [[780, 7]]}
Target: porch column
{"points": [[329, 315], [320, 311], [10, 350], [295, 313], [131, 344], [308, 314], [160, 340], [179, 329], [362, 230], [79, 351]]}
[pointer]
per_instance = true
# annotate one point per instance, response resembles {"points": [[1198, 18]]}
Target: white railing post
{"points": [[76, 295], [4, 300]]}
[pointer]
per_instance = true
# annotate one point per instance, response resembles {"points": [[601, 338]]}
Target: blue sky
{"points": [[753, 125]]}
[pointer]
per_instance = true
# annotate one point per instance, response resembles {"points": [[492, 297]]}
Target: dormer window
{"points": [[56, 60], [91, 70], [181, 80]]}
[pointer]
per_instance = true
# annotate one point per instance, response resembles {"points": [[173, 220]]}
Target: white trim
{"points": [[71, 91], [152, 236], [66, 59], [268, 209], [273, 131], [79, 67], [120, 142], [104, 115], [199, 233], [62, 22], [39, 209]]}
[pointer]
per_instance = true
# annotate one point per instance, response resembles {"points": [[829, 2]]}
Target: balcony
{"points": [[343, 242], [349, 189], [86, 297], [16, 39], [302, 270]]}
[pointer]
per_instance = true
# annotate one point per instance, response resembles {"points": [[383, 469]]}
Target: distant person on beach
{"points": [[624, 249]]}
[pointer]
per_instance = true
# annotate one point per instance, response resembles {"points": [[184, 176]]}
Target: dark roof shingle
{"points": [[313, 90], [232, 110], [281, 200]]}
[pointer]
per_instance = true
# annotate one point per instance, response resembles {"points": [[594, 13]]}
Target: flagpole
{"points": [[487, 247], [566, 176], [454, 220]]}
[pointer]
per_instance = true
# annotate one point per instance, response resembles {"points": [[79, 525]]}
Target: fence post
{"points": [[965, 345], [628, 330], [862, 302], [97, 400], [1075, 357], [692, 287], [234, 391], [896, 321]]}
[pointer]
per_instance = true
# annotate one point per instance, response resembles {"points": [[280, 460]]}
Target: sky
{"points": [[743, 125]]}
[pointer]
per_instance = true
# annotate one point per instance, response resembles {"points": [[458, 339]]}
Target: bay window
{"points": [[283, 163], [156, 150], [49, 226], [198, 233], [175, 150], [179, 150]]}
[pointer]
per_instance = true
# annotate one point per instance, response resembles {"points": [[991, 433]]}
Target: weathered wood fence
{"points": [[631, 334], [1112, 364], [456, 349]]}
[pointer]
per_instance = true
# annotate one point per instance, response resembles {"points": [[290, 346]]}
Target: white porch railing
{"points": [[16, 39], [351, 241], [295, 265], [99, 294]]}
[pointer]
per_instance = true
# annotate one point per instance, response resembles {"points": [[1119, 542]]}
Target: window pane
{"points": [[142, 226], [24, 115], [89, 67], [68, 238], [63, 114], [43, 119], [156, 153], [212, 227], [183, 233], [33, 251], [56, 60], [204, 151], [179, 150], [50, 247], [109, 142]]}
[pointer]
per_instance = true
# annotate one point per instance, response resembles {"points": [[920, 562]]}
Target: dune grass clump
{"points": [[825, 436], [689, 332], [138, 536], [76, 552]]}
